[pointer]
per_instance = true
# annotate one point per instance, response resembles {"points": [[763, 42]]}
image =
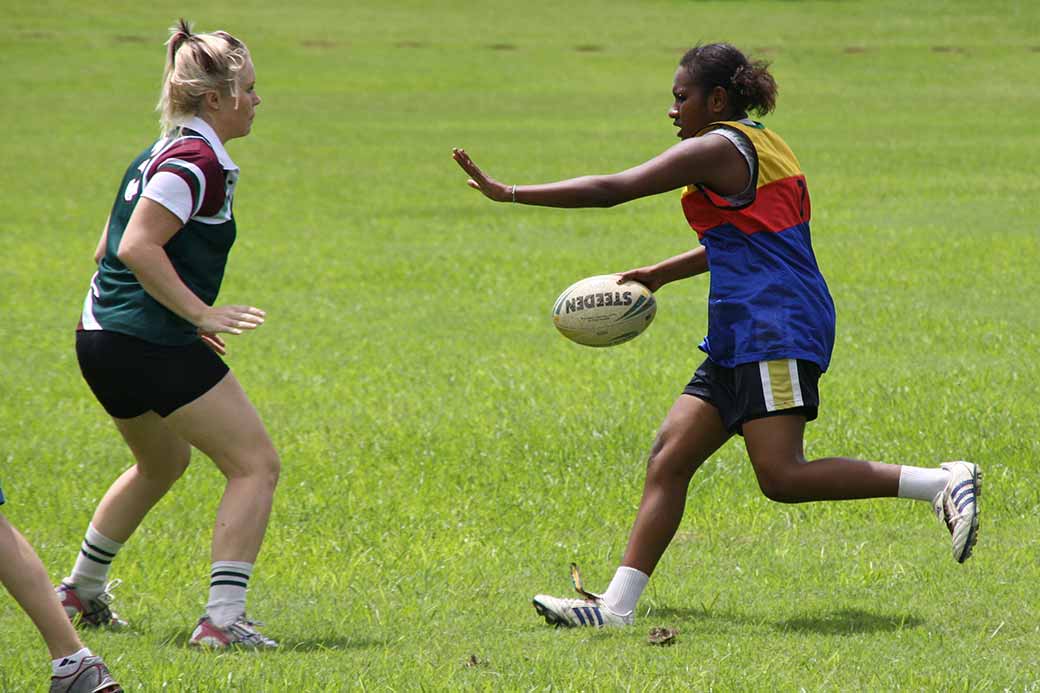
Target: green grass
{"points": [[446, 453]]}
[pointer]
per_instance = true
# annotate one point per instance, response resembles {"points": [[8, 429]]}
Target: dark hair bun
{"points": [[750, 86]]}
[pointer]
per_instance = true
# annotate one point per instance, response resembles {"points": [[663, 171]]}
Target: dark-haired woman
{"points": [[148, 339], [770, 323]]}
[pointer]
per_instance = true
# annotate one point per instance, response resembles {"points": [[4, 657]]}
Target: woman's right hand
{"points": [[478, 180], [647, 276], [230, 319]]}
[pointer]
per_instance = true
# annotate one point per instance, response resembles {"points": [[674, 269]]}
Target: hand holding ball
{"points": [[599, 312]]}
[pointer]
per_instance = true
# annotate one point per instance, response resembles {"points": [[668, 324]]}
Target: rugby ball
{"points": [[599, 312]]}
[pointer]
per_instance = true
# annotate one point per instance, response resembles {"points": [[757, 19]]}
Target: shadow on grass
{"points": [[840, 622], [323, 644], [286, 645], [849, 621], [687, 612]]}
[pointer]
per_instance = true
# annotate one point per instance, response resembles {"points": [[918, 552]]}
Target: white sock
{"points": [[227, 591], [69, 664], [93, 563], [625, 589], [920, 483]]}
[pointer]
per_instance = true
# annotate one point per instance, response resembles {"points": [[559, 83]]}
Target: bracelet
{"points": [[514, 193]]}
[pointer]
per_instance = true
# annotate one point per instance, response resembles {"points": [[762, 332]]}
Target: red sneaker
{"points": [[241, 633], [93, 613]]}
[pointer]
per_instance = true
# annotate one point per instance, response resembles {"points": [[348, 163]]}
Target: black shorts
{"points": [[130, 376], [757, 390]]}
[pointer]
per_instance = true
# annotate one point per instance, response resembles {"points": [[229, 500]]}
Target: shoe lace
{"points": [[247, 630], [100, 606], [106, 597], [947, 512], [939, 506]]}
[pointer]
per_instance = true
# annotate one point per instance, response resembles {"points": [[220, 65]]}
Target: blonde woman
{"points": [[148, 342]]}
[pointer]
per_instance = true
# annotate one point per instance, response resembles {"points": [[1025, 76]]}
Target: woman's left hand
{"points": [[647, 276], [478, 180]]}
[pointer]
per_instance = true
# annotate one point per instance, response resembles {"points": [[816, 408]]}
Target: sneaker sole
{"points": [[108, 688], [116, 626], [973, 533], [210, 644], [550, 616]]}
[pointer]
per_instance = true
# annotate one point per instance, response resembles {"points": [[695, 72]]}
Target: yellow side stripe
{"points": [[781, 388]]}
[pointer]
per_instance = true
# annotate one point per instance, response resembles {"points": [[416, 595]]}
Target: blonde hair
{"points": [[196, 64]]}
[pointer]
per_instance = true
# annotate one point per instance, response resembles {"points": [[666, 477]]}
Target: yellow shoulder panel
{"points": [[776, 161]]}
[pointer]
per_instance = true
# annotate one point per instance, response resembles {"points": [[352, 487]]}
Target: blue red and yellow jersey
{"points": [[768, 299]]}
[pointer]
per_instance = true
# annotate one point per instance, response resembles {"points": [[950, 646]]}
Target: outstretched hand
{"points": [[478, 180]]}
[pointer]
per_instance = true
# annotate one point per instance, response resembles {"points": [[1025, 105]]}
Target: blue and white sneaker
{"points": [[572, 613], [958, 506]]}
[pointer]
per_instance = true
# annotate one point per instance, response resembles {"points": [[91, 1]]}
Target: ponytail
{"points": [[755, 87], [179, 33], [196, 64], [750, 86]]}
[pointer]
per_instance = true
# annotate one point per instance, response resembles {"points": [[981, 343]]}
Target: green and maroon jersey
{"points": [[191, 175]]}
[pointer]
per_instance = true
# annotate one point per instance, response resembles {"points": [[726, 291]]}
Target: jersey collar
{"points": [[203, 128]]}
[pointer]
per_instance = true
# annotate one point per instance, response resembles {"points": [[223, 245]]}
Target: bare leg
{"points": [[691, 432], [224, 425], [162, 456], [26, 579], [776, 449]]}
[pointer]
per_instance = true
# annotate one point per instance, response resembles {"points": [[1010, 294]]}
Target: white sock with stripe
{"points": [[921, 483], [96, 554], [227, 591], [625, 589], [68, 664]]}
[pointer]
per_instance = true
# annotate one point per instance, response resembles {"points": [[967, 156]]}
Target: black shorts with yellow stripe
{"points": [[757, 390]]}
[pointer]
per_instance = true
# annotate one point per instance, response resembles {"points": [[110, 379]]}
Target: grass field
{"points": [[446, 453]]}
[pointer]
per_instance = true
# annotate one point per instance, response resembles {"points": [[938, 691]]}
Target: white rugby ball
{"points": [[599, 312]]}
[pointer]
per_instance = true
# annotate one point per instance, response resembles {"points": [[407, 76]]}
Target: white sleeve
{"points": [[170, 190]]}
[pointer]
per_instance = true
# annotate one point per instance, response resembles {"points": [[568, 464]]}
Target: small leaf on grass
{"points": [[474, 661], [662, 636]]}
